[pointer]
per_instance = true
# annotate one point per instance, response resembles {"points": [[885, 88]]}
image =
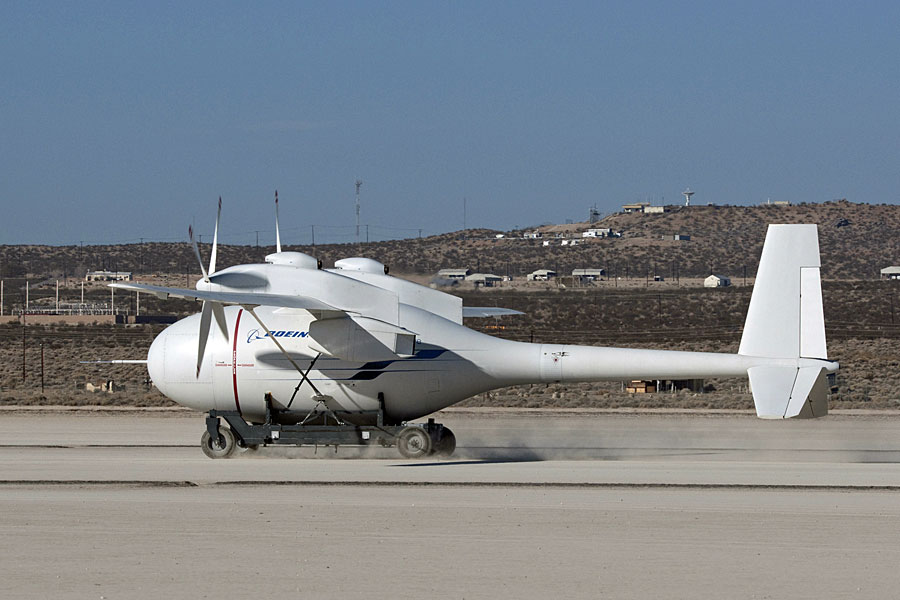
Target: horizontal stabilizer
{"points": [[786, 392], [488, 311]]}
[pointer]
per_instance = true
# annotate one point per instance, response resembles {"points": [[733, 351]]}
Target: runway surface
{"points": [[586, 506]]}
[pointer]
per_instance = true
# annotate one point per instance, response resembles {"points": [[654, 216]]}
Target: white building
{"points": [[541, 275], [484, 279], [589, 274], [597, 233], [108, 276], [716, 281], [533, 235], [454, 273], [890, 273]]}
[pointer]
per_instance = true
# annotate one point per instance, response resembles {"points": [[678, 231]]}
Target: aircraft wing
{"points": [[241, 298], [334, 332], [488, 311]]}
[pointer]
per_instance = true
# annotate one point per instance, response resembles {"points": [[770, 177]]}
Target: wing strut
{"points": [[303, 375], [320, 398]]}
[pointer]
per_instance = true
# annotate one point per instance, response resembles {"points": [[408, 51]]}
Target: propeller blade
{"points": [[212, 258], [197, 253], [219, 314], [205, 318], [277, 232]]}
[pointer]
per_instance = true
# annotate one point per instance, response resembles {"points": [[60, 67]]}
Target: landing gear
{"points": [[412, 441], [221, 446], [446, 444]]}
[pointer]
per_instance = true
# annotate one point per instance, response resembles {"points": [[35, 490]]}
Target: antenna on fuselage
{"points": [[277, 233]]}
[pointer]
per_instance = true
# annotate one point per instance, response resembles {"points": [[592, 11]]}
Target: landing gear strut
{"points": [[412, 441]]}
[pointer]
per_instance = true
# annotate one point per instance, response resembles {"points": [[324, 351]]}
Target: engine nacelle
{"points": [[294, 259], [364, 265]]}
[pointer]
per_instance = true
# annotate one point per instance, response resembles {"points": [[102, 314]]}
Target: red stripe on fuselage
{"points": [[234, 362]]}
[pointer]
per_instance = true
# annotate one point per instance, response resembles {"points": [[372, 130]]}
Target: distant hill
{"points": [[857, 240]]}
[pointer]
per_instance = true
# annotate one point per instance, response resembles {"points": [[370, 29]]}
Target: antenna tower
{"points": [[358, 184], [687, 196]]}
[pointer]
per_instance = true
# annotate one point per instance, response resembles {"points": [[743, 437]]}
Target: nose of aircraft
{"points": [[172, 364], [156, 362]]}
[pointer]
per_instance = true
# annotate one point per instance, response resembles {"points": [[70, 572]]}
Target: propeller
{"points": [[277, 232], [209, 308]]}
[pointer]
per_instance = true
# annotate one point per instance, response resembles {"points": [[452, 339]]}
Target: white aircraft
{"points": [[348, 355]]}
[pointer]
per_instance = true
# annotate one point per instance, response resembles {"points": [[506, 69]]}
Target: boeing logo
{"points": [[256, 334]]}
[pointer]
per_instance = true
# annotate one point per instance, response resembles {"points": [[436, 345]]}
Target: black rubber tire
{"points": [[222, 448], [414, 442], [446, 445]]}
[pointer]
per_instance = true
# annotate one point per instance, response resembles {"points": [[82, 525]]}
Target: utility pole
{"points": [[313, 229]]}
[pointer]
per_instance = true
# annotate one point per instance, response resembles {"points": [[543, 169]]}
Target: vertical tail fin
{"points": [[786, 321]]}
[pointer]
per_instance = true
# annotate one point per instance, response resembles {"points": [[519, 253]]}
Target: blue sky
{"points": [[123, 120]]}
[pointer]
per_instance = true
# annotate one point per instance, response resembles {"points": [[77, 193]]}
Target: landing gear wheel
{"points": [[220, 448], [446, 445], [414, 442]]}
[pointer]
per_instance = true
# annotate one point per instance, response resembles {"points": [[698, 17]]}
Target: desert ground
{"points": [[536, 504]]}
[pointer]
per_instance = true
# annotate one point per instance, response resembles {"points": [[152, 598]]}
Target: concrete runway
{"points": [[585, 506]]}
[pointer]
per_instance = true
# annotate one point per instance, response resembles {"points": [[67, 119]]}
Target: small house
{"points": [[714, 281], [890, 273], [588, 274], [541, 275], [454, 273], [484, 279]]}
